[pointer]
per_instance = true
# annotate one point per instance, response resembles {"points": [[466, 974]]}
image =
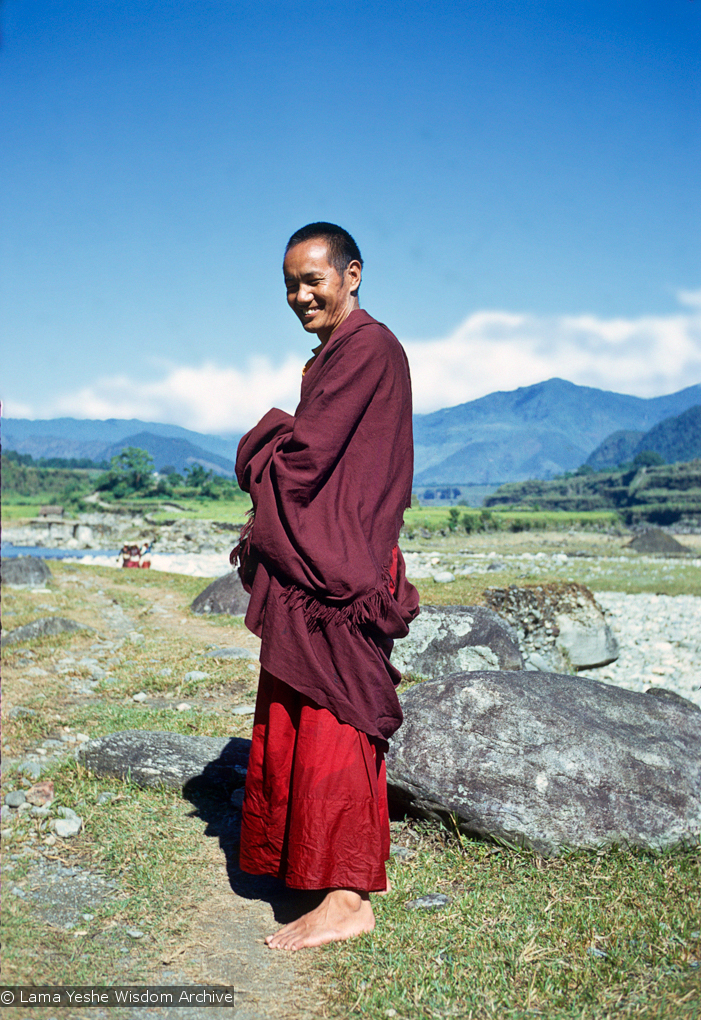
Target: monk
{"points": [[320, 558]]}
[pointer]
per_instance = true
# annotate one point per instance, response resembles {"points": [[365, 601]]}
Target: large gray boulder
{"points": [[447, 639], [225, 595], [44, 627], [560, 627], [25, 572], [156, 758], [549, 761]]}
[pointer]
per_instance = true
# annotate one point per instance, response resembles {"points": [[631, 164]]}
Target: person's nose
{"points": [[304, 295]]}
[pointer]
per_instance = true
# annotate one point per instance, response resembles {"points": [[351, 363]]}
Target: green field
{"points": [[465, 520]]}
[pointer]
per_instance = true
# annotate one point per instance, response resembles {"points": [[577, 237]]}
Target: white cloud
{"points": [[206, 398], [491, 350], [690, 297]]}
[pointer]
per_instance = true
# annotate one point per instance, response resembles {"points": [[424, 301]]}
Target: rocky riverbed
{"points": [[109, 531]]}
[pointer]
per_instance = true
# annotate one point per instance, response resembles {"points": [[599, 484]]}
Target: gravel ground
{"points": [[660, 641]]}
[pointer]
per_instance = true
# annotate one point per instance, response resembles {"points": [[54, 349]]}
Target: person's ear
{"points": [[354, 273]]}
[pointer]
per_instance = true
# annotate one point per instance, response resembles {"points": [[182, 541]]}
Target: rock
{"points": [[154, 758], [672, 697], [654, 540], [47, 625], [141, 696], [443, 577], [134, 933], [52, 745], [60, 895], [549, 761], [448, 639], [18, 711], [402, 852], [66, 812], [6, 813], [225, 595], [25, 572], [41, 794], [243, 710], [559, 626], [196, 674], [65, 828], [14, 798], [31, 769], [587, 641], [183, 707], [231, 653], [431, 901]]}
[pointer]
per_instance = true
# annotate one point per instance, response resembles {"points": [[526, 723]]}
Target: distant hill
{"points": [[616, 449], [167, 444], [533, 432], [177, 453], [57, 434], [676, 439]]}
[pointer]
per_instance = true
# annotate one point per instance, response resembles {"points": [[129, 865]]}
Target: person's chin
{"points": [[311, 325]]}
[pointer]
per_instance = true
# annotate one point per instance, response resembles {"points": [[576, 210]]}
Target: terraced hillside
{"points": [[664, 494]]}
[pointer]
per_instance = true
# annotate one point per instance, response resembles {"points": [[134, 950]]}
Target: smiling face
{"points": [[316, 292]]}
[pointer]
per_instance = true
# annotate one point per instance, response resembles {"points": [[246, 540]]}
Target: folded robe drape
{"points": [[329, 486]]}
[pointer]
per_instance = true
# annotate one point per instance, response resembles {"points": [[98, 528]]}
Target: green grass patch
{"points": [[229, 511], [587, 936], [466, 520]]}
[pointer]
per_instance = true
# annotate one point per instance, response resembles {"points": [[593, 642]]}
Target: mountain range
{"points": [[169, 445], [532, 432]]}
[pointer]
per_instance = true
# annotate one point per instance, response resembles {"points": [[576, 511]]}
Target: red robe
{"points": [[328, 595]]}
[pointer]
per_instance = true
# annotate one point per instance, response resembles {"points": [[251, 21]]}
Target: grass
{"points": [[148, 843], [230, 511], [455, 519], [585, 936], [658, 577]]}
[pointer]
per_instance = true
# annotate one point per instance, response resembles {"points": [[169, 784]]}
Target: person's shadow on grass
{"points": [[216, 796]]}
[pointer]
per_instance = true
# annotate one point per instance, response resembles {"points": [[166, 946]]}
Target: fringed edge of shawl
{"points": [[240, 551], [319, 613]]}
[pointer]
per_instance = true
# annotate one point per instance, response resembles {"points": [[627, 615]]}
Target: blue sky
{"points": [[522, 178]]}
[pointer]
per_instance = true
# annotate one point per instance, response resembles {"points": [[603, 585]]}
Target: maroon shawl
{"points": [[329, 487]]}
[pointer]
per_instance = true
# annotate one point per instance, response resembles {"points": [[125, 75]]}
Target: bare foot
{"points": [[342, 914], [384, 892]]}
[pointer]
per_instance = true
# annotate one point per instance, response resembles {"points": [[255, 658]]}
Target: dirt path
{"points": [[148, 625]]}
